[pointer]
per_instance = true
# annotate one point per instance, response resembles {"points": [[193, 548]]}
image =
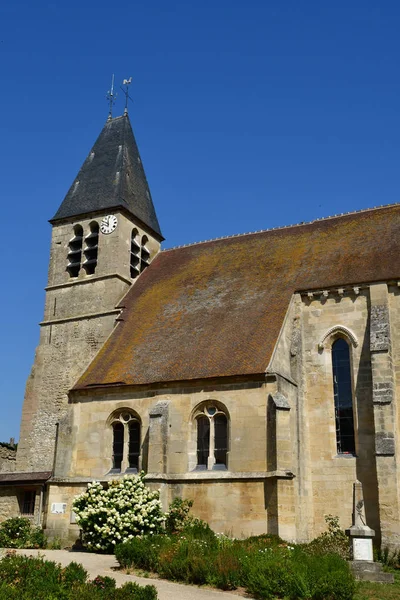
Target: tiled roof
{"points": [[216, 308], [13, 478], [111, 177]]}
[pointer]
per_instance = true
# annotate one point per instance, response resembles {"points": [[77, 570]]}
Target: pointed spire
{"points": [[112, 177]]}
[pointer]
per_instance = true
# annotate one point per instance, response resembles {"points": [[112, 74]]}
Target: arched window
{"points": [[134, 445], [343, 395], [126, 441], [203, 440], [118, 445], [135, 254], [140, 254], [91, 249], [75, 252], [212, 438]]}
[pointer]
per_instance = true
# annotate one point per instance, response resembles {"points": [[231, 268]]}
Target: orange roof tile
{"points": [[216, 308]]}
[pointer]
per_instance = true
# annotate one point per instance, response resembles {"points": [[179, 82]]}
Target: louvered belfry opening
{"points": [[135, 254], [140, 254], [91, 249], [75, 252], [145, 254]]}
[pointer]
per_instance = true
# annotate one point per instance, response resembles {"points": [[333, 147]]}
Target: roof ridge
{"points": [[301, 224]]}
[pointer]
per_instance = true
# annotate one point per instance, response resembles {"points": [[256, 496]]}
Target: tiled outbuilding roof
{"points": [[14, 478], [111, 177], [216, 308]]}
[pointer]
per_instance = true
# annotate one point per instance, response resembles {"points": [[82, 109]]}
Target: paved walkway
{"points": [[105, 564]]}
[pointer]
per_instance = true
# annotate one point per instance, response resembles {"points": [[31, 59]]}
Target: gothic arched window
{"points": [[118, 445], [75, 252], [126, 441], [91, 249], [343, 395], [212, 438]]}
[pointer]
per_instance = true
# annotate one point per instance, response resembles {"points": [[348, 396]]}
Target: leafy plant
{"points": [[28, 578], [125, 509], [334, 540], [178, 516], [18, 532]]}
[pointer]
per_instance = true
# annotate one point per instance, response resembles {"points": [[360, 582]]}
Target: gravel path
{"points": [[106, 564]]}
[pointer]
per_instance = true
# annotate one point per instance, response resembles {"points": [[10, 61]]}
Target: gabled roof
{"points": [[112, 176], [216, 308]]}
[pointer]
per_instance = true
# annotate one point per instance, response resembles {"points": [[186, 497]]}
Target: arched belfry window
{"points": [[140, 254], [135, 254], [91, 249], [212, 438], [126, 444], [75, 252], [343, 395]]}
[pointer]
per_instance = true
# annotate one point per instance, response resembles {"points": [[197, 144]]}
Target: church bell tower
{"points": [[105, 233]]}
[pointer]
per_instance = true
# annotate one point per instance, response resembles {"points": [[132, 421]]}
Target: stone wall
{"points": [[236, 500], [80, 314], [8, 455]]}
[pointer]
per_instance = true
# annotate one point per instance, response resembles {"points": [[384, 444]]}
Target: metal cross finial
{"points": [[111, 98], [126, 83]]}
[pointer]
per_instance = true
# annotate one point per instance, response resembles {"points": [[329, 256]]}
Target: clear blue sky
{"points": [[248, 115]]}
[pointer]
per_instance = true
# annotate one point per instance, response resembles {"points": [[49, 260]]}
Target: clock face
{"points": [[108, 224]]}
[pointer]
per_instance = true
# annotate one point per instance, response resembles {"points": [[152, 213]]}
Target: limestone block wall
{"points": [[238, 500], [325, 316], [7, 458], [80, 314], [9, 505]]}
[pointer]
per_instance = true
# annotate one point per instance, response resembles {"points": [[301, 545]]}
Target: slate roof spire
{"points": [[112, 177]]}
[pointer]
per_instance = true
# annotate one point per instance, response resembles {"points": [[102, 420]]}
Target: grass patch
{"points": [[379, 591]]}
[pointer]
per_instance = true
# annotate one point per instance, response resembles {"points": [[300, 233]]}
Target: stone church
{"points": [[258, 374]]}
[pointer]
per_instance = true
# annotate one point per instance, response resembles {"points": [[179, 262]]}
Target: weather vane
{"points": [[111, 98], [126, 83]]}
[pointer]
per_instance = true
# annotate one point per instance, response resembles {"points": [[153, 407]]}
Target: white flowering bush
{"points": [[127, 508]]}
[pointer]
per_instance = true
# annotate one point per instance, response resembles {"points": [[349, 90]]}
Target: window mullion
{"points": [[211, 454]]}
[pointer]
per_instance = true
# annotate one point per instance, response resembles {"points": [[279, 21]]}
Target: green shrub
{"points": [[389, 558], [141, 552], [265, 565], [105, 584], [178, 516], [332, 541], [19, 533], [293, 573], [73, 574], [133, 591], [29, 578], [125, 509]]}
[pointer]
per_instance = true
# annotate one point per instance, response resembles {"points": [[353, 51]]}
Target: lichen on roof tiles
{"points": [[216, 309]]}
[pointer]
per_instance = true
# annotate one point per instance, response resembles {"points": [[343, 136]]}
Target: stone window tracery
{"points": [[343, 396], [212, 438], [126, 430]]}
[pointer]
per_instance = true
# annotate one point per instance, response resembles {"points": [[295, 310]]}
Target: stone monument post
{"points": [[363, 565]]}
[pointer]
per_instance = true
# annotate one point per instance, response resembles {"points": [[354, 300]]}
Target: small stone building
{"points": [[256, 374]]}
